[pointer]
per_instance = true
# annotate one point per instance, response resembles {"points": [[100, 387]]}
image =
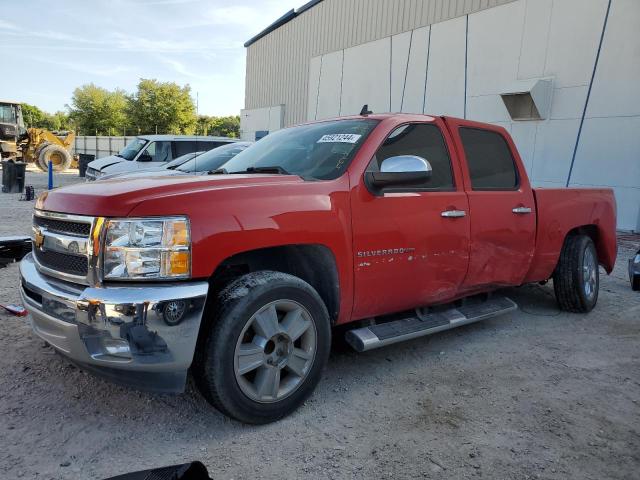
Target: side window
{"points": [[423, 140], [182, 148], [489, 158], [159, 151]]}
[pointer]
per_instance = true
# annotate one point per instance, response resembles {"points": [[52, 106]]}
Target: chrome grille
{"points": [[62, 246], [63, 226]]}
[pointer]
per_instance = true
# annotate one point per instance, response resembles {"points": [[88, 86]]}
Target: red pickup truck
{"points": [[397, 225]]}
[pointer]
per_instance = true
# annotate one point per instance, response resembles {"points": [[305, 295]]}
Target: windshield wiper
{"points": [[218, 171], [275, 169]]}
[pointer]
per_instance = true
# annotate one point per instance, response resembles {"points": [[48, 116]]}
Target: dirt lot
{"points": [[533, 394]]}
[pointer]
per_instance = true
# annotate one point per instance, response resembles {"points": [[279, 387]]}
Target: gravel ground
{"points": [[534, 394]]}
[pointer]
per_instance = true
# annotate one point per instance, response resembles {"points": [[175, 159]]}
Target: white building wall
{"points": [[278, 63], [459, 67], [266, 119], [609, 149], [414, 81], [446, 71]]}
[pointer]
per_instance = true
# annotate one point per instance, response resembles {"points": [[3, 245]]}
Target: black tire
{"points": [[570, 279], [215, 368], [60, 157]]}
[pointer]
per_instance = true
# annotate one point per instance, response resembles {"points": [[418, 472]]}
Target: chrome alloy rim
{"points": [[589, 273], [275, 351]]}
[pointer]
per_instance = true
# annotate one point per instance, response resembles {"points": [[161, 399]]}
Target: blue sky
{"points": [[53, 47]]}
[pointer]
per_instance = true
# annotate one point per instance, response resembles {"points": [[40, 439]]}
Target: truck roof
{"points": [[410, 117]]}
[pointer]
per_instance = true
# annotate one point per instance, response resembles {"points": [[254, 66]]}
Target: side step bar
{"points": [[376, 336]]}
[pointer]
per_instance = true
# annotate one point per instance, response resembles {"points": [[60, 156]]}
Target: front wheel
{"points": [[266, 349], [576, 280]]}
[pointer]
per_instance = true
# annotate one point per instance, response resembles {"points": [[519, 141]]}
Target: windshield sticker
{"points": [[340, 138]]}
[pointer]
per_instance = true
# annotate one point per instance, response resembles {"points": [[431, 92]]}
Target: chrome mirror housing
{"points": [[405, 164], [401, 171]]}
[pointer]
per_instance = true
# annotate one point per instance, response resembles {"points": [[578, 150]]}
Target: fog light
{"points": [[116, 347]]}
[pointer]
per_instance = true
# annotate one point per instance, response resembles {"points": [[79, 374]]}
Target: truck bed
{"points": [[561, 210]]}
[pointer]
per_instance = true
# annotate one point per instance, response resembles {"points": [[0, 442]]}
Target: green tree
{"points": [[219, 126], [61, 121], [96, 109], [33, 116], [162, 107]]}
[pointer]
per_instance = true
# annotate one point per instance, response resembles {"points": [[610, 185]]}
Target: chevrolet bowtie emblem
{"points": [[38, 237]]}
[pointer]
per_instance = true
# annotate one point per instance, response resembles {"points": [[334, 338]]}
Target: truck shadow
{"points": [[348, 375]]}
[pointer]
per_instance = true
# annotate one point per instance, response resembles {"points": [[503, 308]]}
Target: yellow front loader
{"points": [[32, 144], [42, 147]]}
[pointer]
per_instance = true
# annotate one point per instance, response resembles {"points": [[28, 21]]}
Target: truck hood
{"points": [[105, 162], [117, 197]]}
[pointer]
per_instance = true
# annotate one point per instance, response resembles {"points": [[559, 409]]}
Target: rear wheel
{"points": [[576, 280], [267, 347]]}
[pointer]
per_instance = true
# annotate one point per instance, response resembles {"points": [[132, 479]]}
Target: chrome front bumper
{"points": [[141, 335]]}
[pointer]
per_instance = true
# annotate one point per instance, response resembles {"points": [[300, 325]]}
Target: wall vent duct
{"points": [[528, 99]]}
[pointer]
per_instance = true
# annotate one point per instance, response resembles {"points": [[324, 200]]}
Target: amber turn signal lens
{"points": [[177, 234], [178, 263]]}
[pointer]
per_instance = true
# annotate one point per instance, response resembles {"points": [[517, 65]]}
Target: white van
{"points": [[150, 151]]}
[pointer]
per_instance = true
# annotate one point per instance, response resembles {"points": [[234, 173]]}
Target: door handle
{"points": [[521, 210], [453, 213]]}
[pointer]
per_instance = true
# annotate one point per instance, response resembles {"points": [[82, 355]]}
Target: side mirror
{"points": [[145, 157], [399, 171]]}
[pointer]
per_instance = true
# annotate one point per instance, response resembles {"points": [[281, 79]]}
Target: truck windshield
{"points": [[320, 151], [131, 150], [7, 113]]}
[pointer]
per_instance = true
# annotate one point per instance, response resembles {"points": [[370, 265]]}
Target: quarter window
{"points": [[489, 158], [423, 140]]}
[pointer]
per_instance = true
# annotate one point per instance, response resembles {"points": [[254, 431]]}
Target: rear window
{"points": [[489, 158]]}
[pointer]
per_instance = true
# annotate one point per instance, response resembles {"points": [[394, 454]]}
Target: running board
{"points": [[376, 336]]}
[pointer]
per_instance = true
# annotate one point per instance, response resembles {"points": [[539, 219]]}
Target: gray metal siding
{"points": [[278, 64]]}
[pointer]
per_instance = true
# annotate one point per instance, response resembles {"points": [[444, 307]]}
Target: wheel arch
{"points": [[593, 232], [314, 263]]}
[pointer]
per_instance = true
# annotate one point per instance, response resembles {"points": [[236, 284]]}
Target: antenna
{"points": [[197, 109], [365, 110]]}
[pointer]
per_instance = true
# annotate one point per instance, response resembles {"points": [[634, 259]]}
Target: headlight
{"points": [[147, 248]]}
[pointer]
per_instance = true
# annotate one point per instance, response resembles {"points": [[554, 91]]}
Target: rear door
{"points": [[501, 205], [411, 244]]}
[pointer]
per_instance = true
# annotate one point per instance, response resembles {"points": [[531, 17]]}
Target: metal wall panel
{"points": [[277, 71]]}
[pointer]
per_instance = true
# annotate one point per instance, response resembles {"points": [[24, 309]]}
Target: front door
{"points": [[411, 245], [501, 204], [156, 154]]}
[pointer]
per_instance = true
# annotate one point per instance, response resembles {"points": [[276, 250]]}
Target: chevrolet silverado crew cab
{"points": [[392, 226]]}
